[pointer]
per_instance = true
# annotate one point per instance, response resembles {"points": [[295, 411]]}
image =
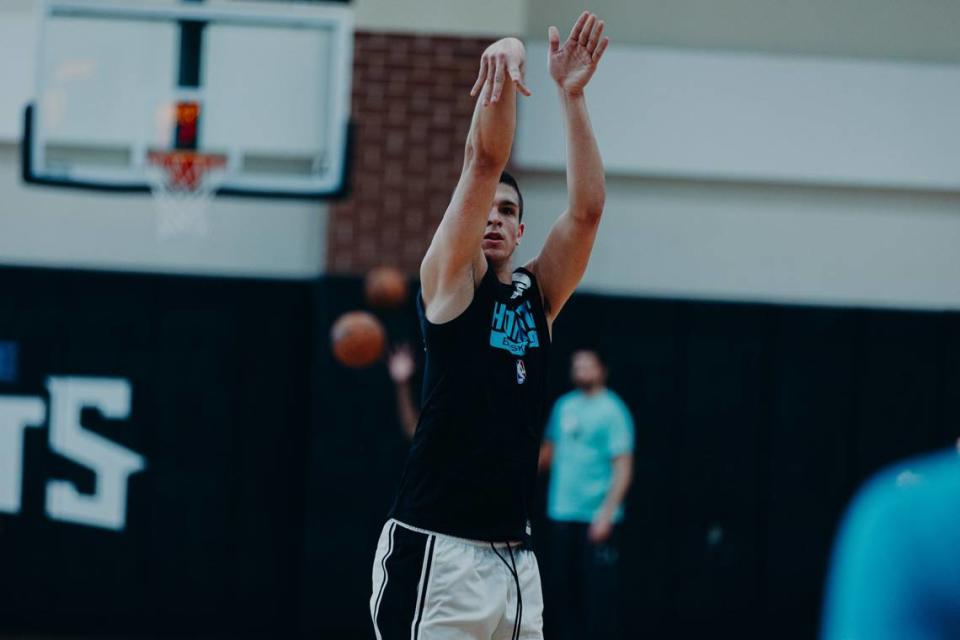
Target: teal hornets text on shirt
{"points": [[513, 329]]}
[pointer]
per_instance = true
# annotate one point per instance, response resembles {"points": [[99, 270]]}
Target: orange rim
{"points": [[186, 168]]}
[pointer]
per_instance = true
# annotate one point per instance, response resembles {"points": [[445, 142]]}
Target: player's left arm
{"points": [[602, 525], [565, 253], [620, 444]]}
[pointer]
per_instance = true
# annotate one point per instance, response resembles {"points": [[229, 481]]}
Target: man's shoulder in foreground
{"points": [[894, 564]]}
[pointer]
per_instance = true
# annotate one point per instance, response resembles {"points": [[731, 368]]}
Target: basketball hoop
{"points": [[184, 184]]}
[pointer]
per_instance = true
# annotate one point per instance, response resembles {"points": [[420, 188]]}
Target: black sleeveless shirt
{"points": [[472, 467]]}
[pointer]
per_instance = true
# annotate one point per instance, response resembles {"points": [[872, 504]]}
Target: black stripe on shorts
{"points": [[423, 589], [398, 602]]}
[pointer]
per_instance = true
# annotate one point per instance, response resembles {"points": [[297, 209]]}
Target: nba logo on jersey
{"points": [[521, 372]]}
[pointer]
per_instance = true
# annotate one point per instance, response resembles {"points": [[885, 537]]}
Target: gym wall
{"points": [[452, 18], [412, 110], [794, 239], [743, 240], [792, 244], [268, 469], [414, 64], [204, 534], [865, 29]]}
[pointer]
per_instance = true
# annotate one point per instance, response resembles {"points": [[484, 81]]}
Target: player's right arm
{"points": [[454, 262]]}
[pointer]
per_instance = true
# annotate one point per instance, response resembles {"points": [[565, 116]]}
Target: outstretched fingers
{"points": [[517, 76], [578, 27], [598, 52], [481, 77], [586, 30], [502, 62], [498, 78], [594, 39]]}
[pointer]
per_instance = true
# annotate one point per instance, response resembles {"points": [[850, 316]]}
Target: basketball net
{"points": [[184, 184]]}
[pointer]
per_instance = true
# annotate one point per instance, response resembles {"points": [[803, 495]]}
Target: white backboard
{"points": [[272, 81]]}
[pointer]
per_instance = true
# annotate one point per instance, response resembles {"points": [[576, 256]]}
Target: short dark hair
{"points": [[509, 180]]}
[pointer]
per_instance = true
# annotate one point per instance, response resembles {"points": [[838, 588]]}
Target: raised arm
{"points": [[565, 254], [454, 261]]}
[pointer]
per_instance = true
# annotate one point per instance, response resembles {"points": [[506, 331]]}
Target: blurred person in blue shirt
{"points": [[588, 447], [896, 563]]}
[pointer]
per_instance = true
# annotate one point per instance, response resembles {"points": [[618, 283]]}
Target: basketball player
{"points": [[452, 561]]}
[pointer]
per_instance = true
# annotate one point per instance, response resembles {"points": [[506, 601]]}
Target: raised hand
{"points": [[503, 58], [573, 64]]}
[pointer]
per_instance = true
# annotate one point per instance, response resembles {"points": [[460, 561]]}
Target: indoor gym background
{"points": [[775, 285]]}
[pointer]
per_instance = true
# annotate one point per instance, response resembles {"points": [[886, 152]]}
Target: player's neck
{"points": [[503, 270], [592, 391]]}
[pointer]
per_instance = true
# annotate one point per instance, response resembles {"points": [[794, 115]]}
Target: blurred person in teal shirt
{"points": [[588, 447]]}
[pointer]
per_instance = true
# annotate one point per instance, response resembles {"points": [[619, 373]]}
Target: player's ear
{"points": [[520, 232]]}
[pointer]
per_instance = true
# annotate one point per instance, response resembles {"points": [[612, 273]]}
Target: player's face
{"points": [[586, 370], [504, 228]]}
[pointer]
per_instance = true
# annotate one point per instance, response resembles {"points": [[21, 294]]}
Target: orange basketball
{"points": [[358, 339], [385, 287]]}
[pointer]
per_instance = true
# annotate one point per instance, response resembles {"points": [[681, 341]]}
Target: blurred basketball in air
{"points": [[385, 287], [357, 338]]}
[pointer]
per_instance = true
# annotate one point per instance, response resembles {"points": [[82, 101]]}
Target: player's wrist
{"points": [[568, 93]]}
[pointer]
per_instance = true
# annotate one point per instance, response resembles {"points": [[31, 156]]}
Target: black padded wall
{"points": [[219, 412], [270, 468]]}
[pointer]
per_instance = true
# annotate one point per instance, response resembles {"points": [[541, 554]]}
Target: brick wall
{"points": [[412, 109]]}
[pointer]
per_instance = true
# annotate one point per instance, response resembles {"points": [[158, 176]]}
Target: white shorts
{"points": [[431, 586]]}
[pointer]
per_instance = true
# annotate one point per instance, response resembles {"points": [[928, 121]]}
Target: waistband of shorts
{"points": [[513, 544]]}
